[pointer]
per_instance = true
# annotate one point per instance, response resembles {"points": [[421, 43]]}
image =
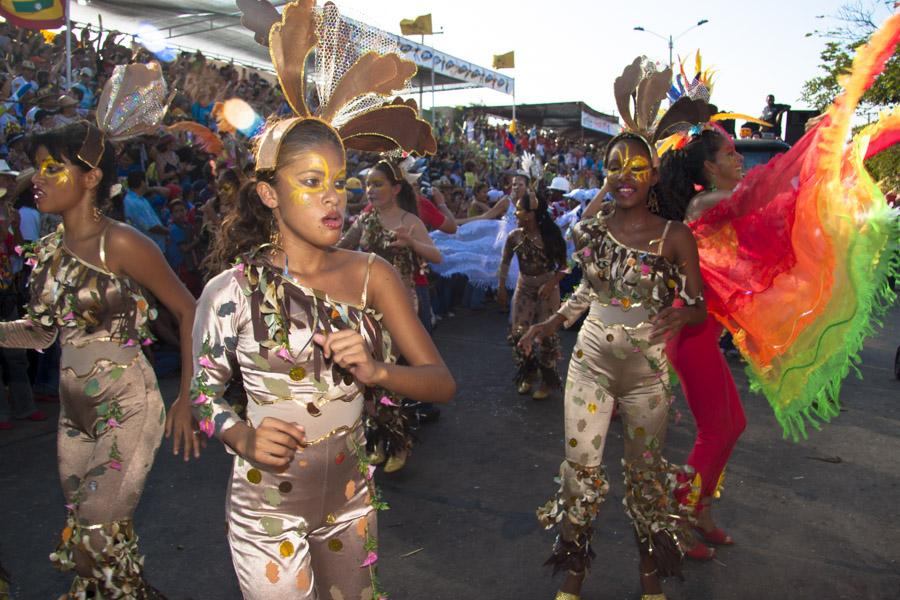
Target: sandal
{"points": [[717, 536]]}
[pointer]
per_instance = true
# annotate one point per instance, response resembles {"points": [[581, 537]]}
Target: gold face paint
{"points": [[54, 171], [636, 166], [314, 179]]}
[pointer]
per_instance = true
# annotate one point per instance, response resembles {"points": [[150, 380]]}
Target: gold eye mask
{"points": [[55, 171]]}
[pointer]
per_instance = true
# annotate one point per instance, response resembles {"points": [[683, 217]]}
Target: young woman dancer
{"points": [[707, 162], [641, 282], [541, 251], [310, 327], [87, 288], [392, 230]]}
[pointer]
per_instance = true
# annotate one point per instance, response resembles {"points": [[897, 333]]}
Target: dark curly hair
{"points": [[554, 244], [407, 196], [682, 171], [64, 143], [250, 223]]}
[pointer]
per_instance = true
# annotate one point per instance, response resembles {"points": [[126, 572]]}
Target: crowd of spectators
{"points": [[175, 191]]}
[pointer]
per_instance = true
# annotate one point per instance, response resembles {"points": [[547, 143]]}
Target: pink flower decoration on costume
{"points": [[387, 401], [371, 472], [113, 423], [239, 267], [130, 343], [201, 399], [371, 559], [677, 303], [69, 316], [586, 252], [70, 507], [31, 262], [205, 362], [19, 250], [645, 269], [284, 354], [207, 427], [115, 465], [147, 342]]}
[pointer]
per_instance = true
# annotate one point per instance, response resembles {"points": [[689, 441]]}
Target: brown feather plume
{"points": [[624, 87], [371, 73], [684, 114], [651, 93], [390, 127], [290, 42]]}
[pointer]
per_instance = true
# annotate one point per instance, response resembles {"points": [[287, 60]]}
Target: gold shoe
{"points": [[395, 463], [566, 596], [541, 394], [377, 457], [653, 597], [524, 387]]}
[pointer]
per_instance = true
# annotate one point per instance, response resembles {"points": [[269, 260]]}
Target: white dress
{"points": [[475, 250]]}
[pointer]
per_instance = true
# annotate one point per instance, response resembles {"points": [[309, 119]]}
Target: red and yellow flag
{"points": [[34, 14]]}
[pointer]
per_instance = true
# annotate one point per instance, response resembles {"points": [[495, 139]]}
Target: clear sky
{"points": [[574, 49]]}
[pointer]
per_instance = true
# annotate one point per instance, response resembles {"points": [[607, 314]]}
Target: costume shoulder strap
{"points": [[365, 292]]}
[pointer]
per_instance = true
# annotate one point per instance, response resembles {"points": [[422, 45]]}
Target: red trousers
{"points": [[712, 396]]}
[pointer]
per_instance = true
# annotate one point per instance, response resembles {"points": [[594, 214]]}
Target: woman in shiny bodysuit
{"points": [[310, 328], [641, 283], [87, 288]]}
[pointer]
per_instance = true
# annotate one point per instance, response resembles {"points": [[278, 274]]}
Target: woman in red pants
{"points": [[693, 179]]}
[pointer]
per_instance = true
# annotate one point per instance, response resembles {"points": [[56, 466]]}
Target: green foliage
{"points": [[885, 168], [856, 23]]}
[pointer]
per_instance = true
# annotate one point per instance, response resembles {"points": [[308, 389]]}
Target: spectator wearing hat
{"points": [[557, 203], [84, 86], [356, 199], [15, 151], [44, 100], [68, 111], [25, 77]]}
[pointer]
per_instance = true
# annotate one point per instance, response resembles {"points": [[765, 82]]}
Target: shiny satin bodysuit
{"points": [[615, 364], [528, 308], [111, 413], [305, 532]]}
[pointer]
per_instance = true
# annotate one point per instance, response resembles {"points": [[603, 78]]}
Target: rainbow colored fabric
{"points": [[796, 262]]}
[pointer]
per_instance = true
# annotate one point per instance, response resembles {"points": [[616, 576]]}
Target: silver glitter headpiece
{"points": [[133, 102]]}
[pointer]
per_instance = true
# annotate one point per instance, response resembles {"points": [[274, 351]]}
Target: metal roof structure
{"points": [[570, 119], [215, 26]]}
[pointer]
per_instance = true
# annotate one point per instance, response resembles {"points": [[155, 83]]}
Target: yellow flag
{"points": [[34, 14], [421, 25], [505, 61]]}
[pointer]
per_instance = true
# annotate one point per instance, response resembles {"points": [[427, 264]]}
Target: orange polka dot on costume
{"points": [[303, 580], [350, 489], [285, 487], [335, 545], [330, 519], [341, 457], [272, 572], [254, 476], [66, 535], [286, 549], [303, 463], [573, 442], [361, 528], [297, 373]]}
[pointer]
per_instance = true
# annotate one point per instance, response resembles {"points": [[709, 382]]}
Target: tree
{"points": [[854, 23]]}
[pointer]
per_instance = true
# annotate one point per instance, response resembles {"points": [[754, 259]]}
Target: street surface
{"points": [[814, 520]]}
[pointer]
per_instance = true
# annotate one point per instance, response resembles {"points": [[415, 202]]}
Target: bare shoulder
{"points": [[120, 236], [678, 231]]}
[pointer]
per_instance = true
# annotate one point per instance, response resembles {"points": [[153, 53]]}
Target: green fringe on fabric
{"points": [[820, 399]]}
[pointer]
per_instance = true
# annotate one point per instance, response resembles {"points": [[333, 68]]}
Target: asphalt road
{"points": [[814, 520]]}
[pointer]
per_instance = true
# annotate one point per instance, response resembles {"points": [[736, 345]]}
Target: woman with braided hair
{"points": [[538, 245]]}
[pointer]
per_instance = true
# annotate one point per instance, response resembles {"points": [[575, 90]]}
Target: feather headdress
{"points": [[357, 70], [133, 102]]}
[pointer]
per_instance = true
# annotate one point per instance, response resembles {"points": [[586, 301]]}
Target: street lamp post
{"points": [[670, 40]]}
